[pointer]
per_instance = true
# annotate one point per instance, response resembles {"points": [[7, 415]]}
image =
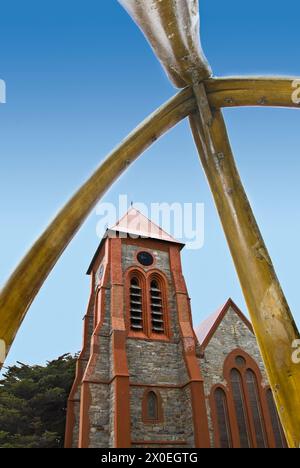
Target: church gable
{"points": [[239, 402], [229, 330]]}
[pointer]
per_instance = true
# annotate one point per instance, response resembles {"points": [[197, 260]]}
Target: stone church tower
{"points": [[144, 377]]}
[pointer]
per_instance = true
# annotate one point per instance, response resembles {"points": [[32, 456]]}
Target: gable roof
{"points": [[136, 224], [208, 327]]}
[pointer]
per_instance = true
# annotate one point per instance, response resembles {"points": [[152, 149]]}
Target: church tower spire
{"points": [[138, 383]]}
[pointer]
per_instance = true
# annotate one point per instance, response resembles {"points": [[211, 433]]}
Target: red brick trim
{"points": [[200, 420], [250, 364], [234, 433], [138, 384], [122, 418], [139, 273], [158, 276], [80, 367], [84, 427], [99, 308], [159, 442], [145, 278]]}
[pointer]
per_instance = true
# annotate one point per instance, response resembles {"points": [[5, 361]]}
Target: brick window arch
{"points": [[256, 409], [250, 415], [136, 305], [156, 307], [152, 412], [157, 310], [147, 305], [239, 401], [222, 418]]}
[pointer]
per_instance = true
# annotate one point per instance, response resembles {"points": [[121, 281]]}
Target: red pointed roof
{"points": [[206, 329], [136, 224]]}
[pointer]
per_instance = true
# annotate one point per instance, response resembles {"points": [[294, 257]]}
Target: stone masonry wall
{"points": [[231, 334], [99, 412], [159, 363]]}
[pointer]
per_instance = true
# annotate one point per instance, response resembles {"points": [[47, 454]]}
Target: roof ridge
{"points": [[145, 228], [207, 328]]}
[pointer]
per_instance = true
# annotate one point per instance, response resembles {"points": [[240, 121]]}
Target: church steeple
{"points": [[138, 374]]}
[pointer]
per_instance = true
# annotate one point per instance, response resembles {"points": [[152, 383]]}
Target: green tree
{"points": [[33, 402]]}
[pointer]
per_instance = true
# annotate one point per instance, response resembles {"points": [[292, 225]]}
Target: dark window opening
{"points": [[256, 409], [280, 440], [136, 305], [240, 409], [152, 406], [223, 419], [156, 305]]}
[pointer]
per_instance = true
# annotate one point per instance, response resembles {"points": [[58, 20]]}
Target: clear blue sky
{"points": [[79, 77]]}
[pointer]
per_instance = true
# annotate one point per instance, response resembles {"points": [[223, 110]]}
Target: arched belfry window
{"points": [[156, 307], [256, 409], [224, 431], [240, 409], [136, 305]]}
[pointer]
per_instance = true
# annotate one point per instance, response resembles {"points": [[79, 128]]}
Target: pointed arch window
{"points": [[280, 440], [136, 305], [240, 409], [152, 407], [256, 409], [225, 439], [156, 307]]}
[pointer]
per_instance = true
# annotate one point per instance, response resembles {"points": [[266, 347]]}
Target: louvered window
{"points": [[136, 305], [223, 419], [255, 404], [280, 439], [156, 306], [240, 409]]}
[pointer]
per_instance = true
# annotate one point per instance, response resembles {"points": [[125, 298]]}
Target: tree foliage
{"points": [[33, 402]]}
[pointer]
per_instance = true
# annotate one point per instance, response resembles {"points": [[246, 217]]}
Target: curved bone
{"points": [[253, 91], [172, 28], [22, 287], [272, 320]]}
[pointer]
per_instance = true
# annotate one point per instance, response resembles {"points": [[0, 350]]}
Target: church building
{"points": [[145, 376]]}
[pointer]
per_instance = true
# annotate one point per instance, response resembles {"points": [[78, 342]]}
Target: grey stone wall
{"points": [[101, 421], [159, 363], [231, 334], [84, 361], [174, 426], [99, 415]]}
